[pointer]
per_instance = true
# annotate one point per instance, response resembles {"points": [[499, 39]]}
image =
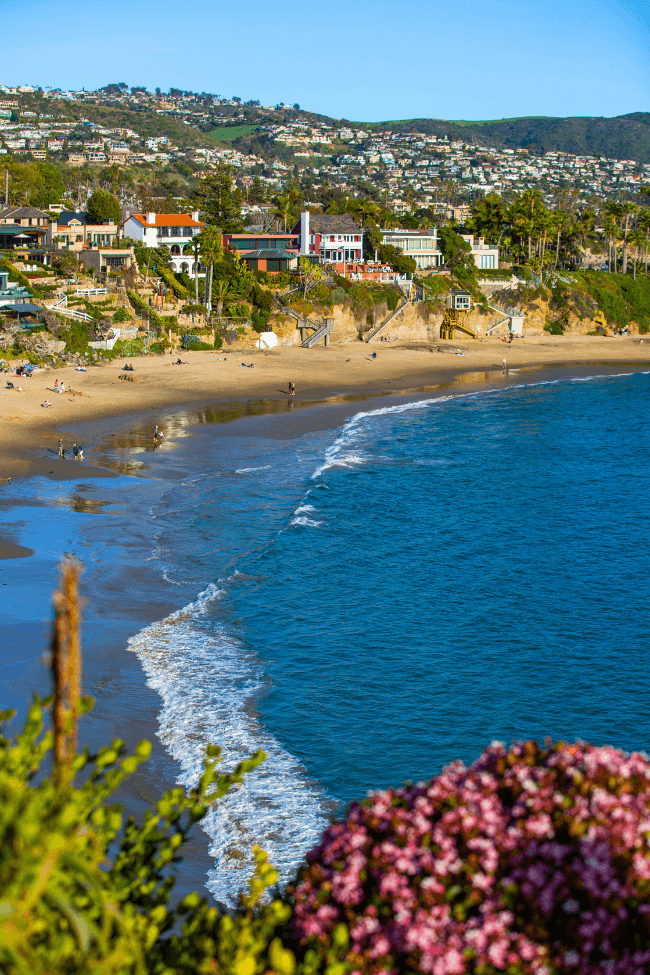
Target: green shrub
{"points": [[170, 280], [259, 321], [554, 328], [392, 300], [338, 295], [199, 346], [121, 315], [76, 337], [218, 341]]}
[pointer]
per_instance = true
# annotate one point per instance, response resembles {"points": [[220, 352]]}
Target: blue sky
{"points": [[369, 60]]}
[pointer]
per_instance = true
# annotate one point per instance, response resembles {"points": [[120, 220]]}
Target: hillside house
{"points": [[175, 231], [421, 245], [486, 256], [241, 243], [73, 231], [24, 229], [329, 237]]}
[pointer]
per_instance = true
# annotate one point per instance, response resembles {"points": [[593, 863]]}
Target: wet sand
{"points": [[157, 389]]}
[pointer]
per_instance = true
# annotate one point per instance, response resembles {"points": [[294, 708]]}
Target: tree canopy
{"points": [[103, 207]]}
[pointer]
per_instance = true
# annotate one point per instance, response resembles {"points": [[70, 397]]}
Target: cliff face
{"points": [[565, 309]]}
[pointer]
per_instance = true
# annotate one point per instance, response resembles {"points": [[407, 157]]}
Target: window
{"points": [[187, 231], [165, 232]]}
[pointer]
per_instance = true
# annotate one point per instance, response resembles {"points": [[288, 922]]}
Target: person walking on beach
{"points": [[61, 450], [292, 389], [62, 388], [155, 433], [505, 367], [75, 451]]}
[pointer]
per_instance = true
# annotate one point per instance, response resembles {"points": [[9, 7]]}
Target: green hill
{"points": [[622, 137]]}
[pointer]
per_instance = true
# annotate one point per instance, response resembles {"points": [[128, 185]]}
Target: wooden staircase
{"points": [[378, 328], [456, 318]]}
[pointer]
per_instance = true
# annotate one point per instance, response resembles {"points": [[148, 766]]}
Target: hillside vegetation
{"points": [[622, 137]]}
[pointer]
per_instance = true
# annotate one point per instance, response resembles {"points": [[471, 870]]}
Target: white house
{"points": [[421, 245], [485, 256], [173, 230]]}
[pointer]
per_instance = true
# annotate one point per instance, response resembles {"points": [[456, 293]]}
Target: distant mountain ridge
{"points": [[621, 137]]}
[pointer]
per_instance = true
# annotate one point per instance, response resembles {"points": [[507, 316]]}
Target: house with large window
{"points": [[421, 245], [176, 231], [485, 256], [73, 231], [329, 237]]}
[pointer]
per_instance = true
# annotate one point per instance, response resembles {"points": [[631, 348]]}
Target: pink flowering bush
{"points": [[534, 860]]}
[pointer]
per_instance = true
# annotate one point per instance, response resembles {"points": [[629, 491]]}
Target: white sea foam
{"points": [[304, 508], [206, 680], [306, 522], [249, 470]]}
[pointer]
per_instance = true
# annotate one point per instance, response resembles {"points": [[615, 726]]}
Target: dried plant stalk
{"points": [[66, 668]]}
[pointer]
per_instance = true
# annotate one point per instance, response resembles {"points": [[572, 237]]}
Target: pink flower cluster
{"points": [[534, 860]]}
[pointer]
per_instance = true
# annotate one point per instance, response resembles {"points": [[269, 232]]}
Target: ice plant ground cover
{"points": [[533, 860]]}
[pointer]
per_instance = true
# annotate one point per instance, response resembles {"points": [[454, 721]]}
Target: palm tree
{"points": [[285, 208], [211, 244], [630, 210], [643, 223], [222, 290], [614, 212], [559, 222], [637, 237]]}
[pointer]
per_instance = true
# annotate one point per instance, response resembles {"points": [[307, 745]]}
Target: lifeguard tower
{"points": [[459, 305]]}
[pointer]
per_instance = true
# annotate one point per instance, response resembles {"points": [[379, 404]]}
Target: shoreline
{"points": [[216, 388], [123, 446]]}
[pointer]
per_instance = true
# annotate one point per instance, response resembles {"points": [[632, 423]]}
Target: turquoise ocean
{"points": [[371, 602]]}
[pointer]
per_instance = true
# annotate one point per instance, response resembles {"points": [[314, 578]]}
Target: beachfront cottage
{"points": [[329, 237], [176, 231]]}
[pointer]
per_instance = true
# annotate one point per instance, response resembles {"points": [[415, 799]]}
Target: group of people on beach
{"points": [[76, 450], [157, 435]]}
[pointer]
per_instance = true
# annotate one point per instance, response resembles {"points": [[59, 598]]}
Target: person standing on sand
{"points": [[505, 367], [155, 432], [75, 451], [61, 451], [292, 389]]}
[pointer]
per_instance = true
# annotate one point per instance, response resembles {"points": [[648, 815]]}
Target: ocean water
{"points": [[365, 603], [370, 603]]}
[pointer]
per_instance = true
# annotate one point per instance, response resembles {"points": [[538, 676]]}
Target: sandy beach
{"points": [[29, 432]]}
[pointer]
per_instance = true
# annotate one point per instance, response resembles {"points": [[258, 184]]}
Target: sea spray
{"points": [[208, 683]]}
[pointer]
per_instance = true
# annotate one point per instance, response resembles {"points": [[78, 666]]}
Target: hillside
{"points": [[622, 137]]}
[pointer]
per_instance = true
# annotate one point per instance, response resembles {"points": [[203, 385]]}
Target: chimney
{"points": [[304, 232], [151, 218], [195, 215]]}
